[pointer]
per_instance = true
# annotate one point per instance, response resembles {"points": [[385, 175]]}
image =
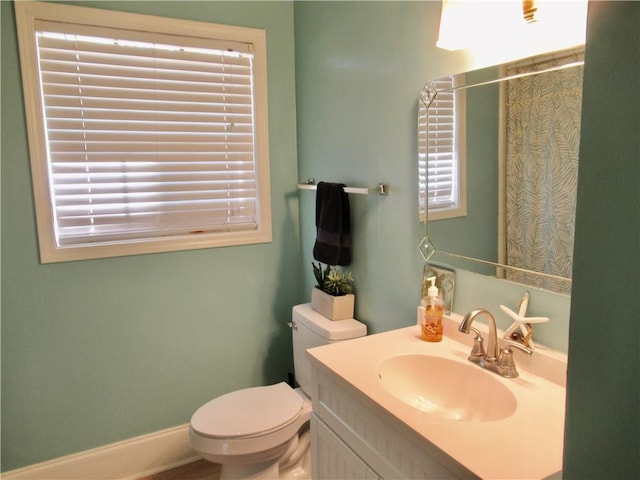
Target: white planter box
{"points": [[334, 308]]}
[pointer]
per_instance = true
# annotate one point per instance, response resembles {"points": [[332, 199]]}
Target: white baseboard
{"points": [[127, 460]]}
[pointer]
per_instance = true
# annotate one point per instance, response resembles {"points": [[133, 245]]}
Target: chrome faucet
{"points": [[496, 360]]}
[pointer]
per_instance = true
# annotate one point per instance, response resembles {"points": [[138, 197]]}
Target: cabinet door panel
{"points": [[332, 459]]}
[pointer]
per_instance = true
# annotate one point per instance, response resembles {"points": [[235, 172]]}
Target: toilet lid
{"points": [[247, 412]]}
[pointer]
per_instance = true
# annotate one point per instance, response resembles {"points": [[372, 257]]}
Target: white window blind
{"points": [[148, 136], [439, 157], [146, 139]]}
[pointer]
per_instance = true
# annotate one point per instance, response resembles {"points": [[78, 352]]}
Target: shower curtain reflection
{"points": [[542, 123]]}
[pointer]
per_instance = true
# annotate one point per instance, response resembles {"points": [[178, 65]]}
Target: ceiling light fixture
{"points": [[542, 25]]}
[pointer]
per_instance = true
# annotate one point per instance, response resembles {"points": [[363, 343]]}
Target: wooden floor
{"points": [[200, 470]]}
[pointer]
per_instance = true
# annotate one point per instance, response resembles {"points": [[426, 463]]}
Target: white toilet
{"points": [[263, 432]]}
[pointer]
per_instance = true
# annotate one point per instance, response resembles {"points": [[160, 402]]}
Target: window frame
{"points": [[27, 14], [427, 99]]}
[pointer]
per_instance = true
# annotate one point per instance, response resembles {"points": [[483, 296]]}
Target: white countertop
{"points": [[526, 445]]}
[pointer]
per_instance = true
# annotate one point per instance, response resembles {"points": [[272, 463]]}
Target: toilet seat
{"points": [[249, 412], [248, 443]]}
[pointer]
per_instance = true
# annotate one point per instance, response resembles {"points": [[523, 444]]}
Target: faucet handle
{"points": [[518, 345], [506, 365], [477, 351]]}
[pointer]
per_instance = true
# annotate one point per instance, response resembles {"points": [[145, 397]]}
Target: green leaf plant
{"points": [[332, 281]]}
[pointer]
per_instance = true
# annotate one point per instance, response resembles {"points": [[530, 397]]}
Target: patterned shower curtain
{"points": [[541, 161]]}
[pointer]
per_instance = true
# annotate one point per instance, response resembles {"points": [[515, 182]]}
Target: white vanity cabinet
{"points": [[416, 424], [353, 438]]}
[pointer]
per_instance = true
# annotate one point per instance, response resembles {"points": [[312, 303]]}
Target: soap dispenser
{"points": [[431, 325]]}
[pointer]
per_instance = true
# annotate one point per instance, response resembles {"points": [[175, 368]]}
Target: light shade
{"points": [[463, 23], [493, 24]]}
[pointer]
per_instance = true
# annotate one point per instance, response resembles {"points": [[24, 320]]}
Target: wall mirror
{"points": [[498, 161]]}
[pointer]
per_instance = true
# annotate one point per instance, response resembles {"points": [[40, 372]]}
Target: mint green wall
{"points": [[359, 68], [602, 435], [98, 351]]}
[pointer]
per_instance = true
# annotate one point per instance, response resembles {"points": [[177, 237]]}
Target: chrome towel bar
{"points": [[381, 189]]}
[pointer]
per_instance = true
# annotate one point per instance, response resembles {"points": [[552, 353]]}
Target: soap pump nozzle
{"points": [[432, 291]]}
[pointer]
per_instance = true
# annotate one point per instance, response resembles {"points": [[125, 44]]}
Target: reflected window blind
{"points": [[437, 155], [148, 135]]}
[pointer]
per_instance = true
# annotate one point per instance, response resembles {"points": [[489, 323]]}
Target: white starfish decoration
{"points": [[522, 322]]}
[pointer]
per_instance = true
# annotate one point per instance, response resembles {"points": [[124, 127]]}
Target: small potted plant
{"points": [[333, 296]]}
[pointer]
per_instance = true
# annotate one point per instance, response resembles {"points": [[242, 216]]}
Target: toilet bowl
{"points": [[263, 432]]}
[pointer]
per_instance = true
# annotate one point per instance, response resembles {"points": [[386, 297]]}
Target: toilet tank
{"points": [[311, 329]]}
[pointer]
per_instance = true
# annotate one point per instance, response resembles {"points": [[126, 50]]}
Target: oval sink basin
{"points": [[446, 388]]}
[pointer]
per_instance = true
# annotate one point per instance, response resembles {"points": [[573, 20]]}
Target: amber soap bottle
{"points": [[431, 325]]}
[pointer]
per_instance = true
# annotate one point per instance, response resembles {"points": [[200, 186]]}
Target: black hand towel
{"points": [[333, 222]]}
